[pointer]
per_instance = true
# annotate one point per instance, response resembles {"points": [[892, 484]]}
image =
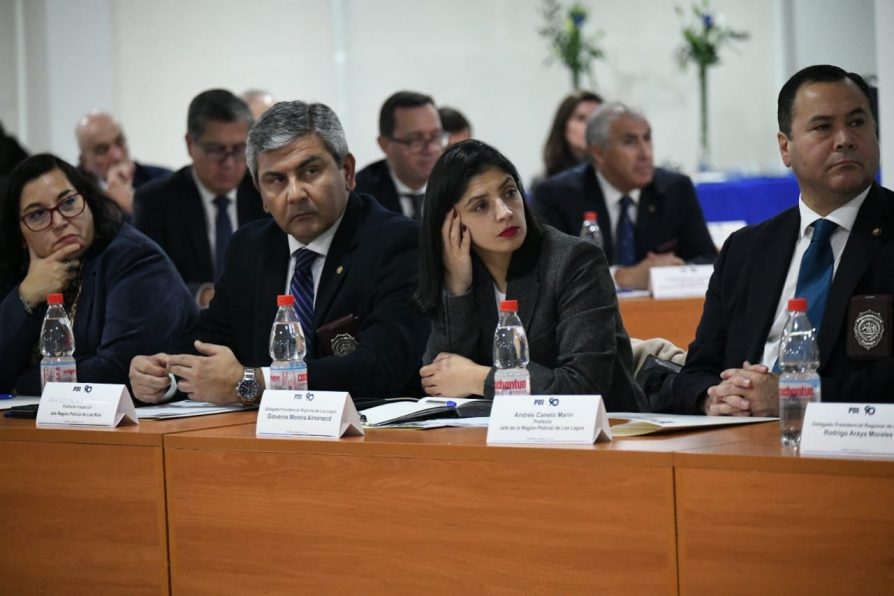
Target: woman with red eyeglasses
{"points": [[60, 234]]}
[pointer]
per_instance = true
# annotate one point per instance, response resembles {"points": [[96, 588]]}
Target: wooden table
{"points": [[675, 320], [84, 509], [403, 511], [754, 519]]}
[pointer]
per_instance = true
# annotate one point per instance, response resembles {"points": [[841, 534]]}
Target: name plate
{"points": [[85, 404], [578, 419], [848, 429], [686, 281], [307, 413]]}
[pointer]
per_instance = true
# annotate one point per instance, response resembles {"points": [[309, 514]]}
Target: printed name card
{"points": [[686, 281], [85, 404], [308, 413], [848, 429], [579, 419]]}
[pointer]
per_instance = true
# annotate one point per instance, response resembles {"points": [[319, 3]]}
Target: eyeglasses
{"points": [[417, 144], [40, 219], [221, 153]]}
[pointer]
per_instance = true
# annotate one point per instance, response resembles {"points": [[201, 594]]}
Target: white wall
{"points": [[146, 60], [884, 24]]}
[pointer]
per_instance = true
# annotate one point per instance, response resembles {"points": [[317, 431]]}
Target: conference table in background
{"points": [[84, 510], [672, 319]]}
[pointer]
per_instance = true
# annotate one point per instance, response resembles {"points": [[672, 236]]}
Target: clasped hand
{"points": [[211, 377], [453, 375], [748, 391]]}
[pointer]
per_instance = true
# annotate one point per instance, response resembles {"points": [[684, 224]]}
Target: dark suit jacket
{"points": [[569, 309], [132, 302], [170, 211], [370, 272], [744, 291], [669, 217], [144, 173], [375, 179]]}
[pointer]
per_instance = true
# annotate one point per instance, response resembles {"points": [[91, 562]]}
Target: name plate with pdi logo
{"points": [[307, 413], [85, 404], [848, 429], [579, 419]]}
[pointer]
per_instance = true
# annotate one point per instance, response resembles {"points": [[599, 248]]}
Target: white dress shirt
{"points": [[319, 245], [211, 213], [406, 203]]}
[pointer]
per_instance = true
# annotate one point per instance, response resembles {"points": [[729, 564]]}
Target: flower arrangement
{"points": [[563, 30], [702, 40]]}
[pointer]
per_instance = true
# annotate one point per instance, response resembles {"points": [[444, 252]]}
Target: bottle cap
{"points": [[54, 299], [285, 300], [509, 306], [589, 216], [797, 304]]}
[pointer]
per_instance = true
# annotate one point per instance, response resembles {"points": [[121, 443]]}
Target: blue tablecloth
{"points": [[750, 199]]}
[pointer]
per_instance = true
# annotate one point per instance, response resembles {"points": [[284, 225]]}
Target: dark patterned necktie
{"points": [[302, 288], [223, 230], [416, 198], [625, 246]]}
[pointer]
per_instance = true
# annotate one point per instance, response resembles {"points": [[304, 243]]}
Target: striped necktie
{"points": [[302, 288], [223, 230]]}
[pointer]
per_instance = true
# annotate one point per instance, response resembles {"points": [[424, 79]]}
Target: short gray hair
{"points": [[289, 120], [600, 123]]}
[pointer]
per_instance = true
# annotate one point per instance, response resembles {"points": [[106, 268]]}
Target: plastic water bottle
{"points": [[287, 348], [590, 231], [57, 345], [799, 383], [511, 353]]}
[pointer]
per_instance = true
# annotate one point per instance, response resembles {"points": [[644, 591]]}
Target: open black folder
{"points": [[427, 408]]}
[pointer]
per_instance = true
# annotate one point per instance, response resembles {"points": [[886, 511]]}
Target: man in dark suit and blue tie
{"points": [[836, 248], [193, 213], [411, 136], [649, 217], [351, 264]]}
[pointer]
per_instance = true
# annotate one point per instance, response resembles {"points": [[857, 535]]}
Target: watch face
{"points": [[248, 391]]}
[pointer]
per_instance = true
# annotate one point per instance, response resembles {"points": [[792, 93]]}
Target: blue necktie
{"points": [[625, 251], [302, 288], [223, 230], [815, 275]]}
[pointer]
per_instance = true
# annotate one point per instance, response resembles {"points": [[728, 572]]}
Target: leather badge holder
{"points": [[869, 327], [338, 338]]}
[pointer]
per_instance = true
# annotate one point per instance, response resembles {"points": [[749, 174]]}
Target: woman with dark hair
{"points": [[566, 145], [480, 243], [59, 233]]}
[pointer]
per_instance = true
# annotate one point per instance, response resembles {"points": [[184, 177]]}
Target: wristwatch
{"points": [[248, 390]]}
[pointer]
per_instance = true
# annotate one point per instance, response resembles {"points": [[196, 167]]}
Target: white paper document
{"points": [[402, 414], [632, 424], [85, 404], [19, 400], [184, 409]]}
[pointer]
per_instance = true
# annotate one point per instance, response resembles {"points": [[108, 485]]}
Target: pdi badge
{"points": [[869, 329], [343, 344]]}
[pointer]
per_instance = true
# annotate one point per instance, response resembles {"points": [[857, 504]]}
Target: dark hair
{"points": [[453, 120], [819, 73], [218, 105], [448, 181], [401, 99], [557, 155], [107, 216]]}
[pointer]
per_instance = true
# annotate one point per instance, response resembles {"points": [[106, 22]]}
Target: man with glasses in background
{"points": [[193, 213], [411, 136]]}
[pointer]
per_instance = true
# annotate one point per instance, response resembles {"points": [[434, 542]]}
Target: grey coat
{"points": [[569, 309]]}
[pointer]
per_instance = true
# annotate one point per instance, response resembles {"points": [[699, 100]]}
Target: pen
{"points": [[7, 395], [451, 403]]}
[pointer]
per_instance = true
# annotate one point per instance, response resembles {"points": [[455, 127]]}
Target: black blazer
{"points": [[145, 173], [744, 291], [669, 217], [370, 272], [170, 212], [375, 179]]}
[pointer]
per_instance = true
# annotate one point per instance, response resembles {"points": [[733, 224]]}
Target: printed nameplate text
{"points": [[308, 413], [848, 429], [548, 419], [85, 404], [686, 281]]}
